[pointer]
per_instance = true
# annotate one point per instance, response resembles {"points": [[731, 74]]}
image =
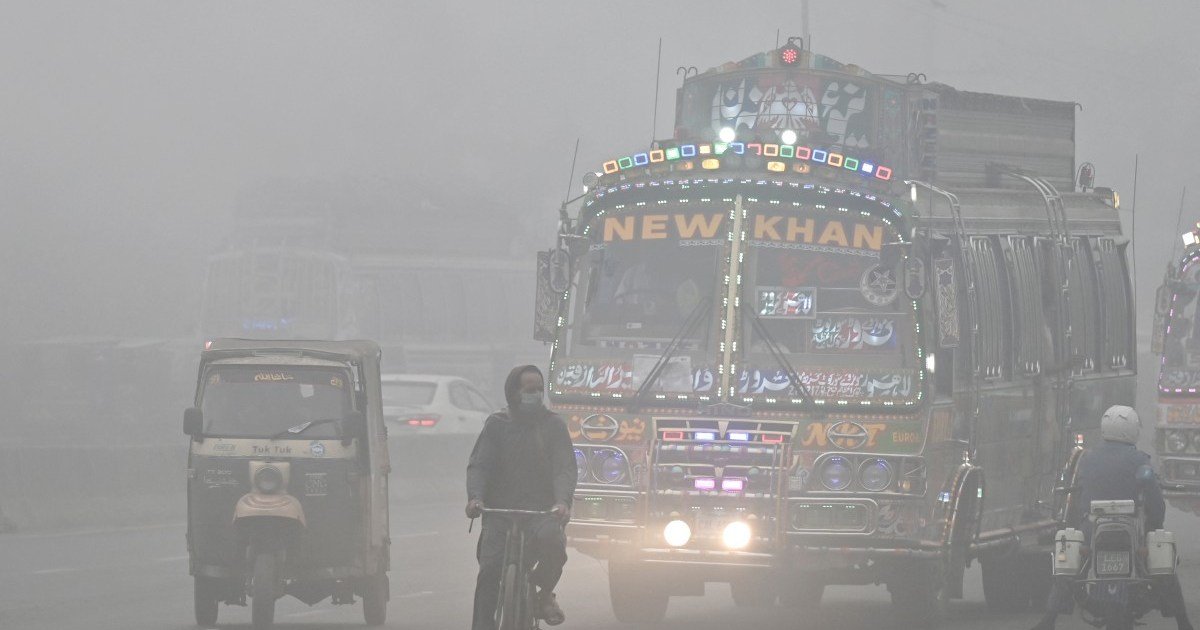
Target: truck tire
{"points": [[919, 594], [262, 591], [634, 598], [206, 602], [1037, 571], [1003, 587], [375, 597], [753, 592]]}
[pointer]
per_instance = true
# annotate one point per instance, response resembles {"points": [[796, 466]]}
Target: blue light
{"points": [[739, 436], [737, 147], [641, 159], [688, 150], [868, 168], [705, 436], [820, 156]]}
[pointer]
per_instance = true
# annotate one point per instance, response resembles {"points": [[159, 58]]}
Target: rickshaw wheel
{"points": [[262, 591], [375, 599], [206, 602]]}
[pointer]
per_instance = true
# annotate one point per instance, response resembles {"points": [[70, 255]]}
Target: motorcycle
{"points": [[1117, 571]]}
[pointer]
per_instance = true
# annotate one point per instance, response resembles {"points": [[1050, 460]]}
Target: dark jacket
{"points": [[1109, 473], [522, 461]]}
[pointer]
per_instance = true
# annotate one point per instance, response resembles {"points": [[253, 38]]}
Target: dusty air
{"points": [[679, 315]]}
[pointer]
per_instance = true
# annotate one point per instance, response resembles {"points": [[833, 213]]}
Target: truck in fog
{"points": [[841, 328], [1177, 343]]}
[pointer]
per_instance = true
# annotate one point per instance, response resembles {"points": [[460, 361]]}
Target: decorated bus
{"points": [[841, 328], [1177, 343]]}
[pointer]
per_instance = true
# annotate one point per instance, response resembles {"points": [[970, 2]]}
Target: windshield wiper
{"points": [[302, 427], [779, 357], [693, 318]]}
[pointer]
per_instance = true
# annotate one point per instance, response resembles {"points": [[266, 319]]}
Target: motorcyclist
{"points": [[1109, 472], [524, 460]]}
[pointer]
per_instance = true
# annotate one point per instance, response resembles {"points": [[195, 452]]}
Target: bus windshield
{"points": [[646, 279], [1181, 341], [813, 289], [263, 400]]}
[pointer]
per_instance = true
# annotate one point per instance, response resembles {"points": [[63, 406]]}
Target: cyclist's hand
{"points": [[474, 508], [561, 512]]}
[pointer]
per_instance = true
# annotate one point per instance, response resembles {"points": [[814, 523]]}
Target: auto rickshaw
{"points": [[287, 477]]}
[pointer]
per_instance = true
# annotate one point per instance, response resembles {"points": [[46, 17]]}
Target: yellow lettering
{"points": [[816, 435], [654, 226], [618, 227], [873, 431], [834, 233], [795, 229], [689, 226], [764, 226], [868, 237]]}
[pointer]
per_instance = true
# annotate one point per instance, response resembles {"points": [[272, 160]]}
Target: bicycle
{"points": [[515, 606]]}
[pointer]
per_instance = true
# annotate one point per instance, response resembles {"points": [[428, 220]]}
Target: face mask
{"points": [[531, 400]]}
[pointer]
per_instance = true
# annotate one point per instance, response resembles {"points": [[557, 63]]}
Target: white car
{"points": [[427, 403]]}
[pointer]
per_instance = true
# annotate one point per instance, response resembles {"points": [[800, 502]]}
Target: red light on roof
{"points": [[789, 55], [772, 439], [672, 435]]}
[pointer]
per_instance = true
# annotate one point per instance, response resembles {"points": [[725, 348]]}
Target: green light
{"points": [[625, 162], [720, 147], [673, 153], [787, 150], [851, 164]]}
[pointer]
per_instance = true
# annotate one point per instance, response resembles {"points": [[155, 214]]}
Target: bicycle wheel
{"points": [[508, 611]]}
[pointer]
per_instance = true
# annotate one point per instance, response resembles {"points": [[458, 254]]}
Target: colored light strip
{"points": [[705, 483], [739, 436], [804, 154], [706, 436]]}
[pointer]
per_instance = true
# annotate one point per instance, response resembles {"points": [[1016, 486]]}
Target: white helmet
{"points": [[1120, 424]]}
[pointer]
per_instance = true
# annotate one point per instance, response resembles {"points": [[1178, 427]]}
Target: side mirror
{"points": [[193, 422], [546, 298], [354, 425]]}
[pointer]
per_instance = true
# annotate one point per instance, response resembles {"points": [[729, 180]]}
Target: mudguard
{"points": [[278, 505]]}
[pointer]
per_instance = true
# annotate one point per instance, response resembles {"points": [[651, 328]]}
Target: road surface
{"points": [[136, 578]]}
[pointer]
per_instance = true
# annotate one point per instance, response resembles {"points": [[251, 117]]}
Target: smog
{"points": [[710, 315]]}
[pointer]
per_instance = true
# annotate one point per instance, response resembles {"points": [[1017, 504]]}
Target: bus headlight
{"points": [[677, 533], [836, 473], [580, 465], [609, 465], [1177, 441], [736, 535], [875, 475]]}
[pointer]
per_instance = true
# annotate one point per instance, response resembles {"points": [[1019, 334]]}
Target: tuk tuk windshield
{"points": [[263, 400]]}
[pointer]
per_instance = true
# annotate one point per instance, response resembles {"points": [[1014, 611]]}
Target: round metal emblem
{"points": [[599, 428], [879, 285], [847, 435]]}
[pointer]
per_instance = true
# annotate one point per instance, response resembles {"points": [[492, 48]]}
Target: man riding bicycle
{"points": [[523, 460]]}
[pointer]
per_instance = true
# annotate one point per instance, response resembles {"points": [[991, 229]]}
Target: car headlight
{"points": [[580, 465], [677, 533], [268, 480], [609, 466], [875, 475], [836, 473], [736, 535], [1177, 441]]}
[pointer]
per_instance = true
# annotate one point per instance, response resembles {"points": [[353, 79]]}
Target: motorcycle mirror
{"points": [[1145, 474], [193, 422]]}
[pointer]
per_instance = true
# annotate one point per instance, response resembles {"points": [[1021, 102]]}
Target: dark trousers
{"points": [[545, 544]]}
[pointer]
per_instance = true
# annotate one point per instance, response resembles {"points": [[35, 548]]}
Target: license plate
{"points": [[1112, 562]]}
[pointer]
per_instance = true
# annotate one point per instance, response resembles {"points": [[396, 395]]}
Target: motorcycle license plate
{"points": [[1112, 562]]}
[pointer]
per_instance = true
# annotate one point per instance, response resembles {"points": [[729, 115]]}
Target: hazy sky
{"points": [[128, 130]]}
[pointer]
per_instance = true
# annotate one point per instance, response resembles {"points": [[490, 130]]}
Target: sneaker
{"points": [[550, 612]]}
